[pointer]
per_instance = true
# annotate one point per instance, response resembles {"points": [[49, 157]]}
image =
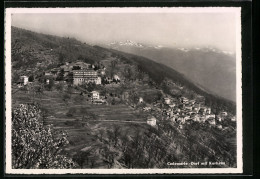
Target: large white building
{"points": [[85, 76]]}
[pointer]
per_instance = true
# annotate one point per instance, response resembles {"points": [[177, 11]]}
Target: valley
{"points": [[208, 67]]}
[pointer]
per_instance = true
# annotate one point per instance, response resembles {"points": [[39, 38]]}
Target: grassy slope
{"points": [[79, 135], [30, 47]]}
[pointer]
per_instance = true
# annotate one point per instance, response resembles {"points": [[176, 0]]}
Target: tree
{"points": [[44, 114], [15, 77], [116, 134], [59, 87], [36, 90], [165, 87], [60, 76], [79, 99], [71, 112], [76, 68], [80, 58], [150, 98], [61, 58], [81, 157], [35, 146], [91, 86], [70, 78], [128, 73], [140, 75], [50, 85], [113, 102], [101, 132], [69, 90], [66, 98], [112, 68], [31, 78], [133, 96]]}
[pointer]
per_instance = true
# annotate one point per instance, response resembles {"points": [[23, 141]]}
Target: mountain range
{"points": [[209, 68]]}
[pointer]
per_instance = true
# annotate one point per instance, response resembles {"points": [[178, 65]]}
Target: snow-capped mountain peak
{"points": [[126, 43], [211, 49], [158, 46], [131, 43], [183, 49]]}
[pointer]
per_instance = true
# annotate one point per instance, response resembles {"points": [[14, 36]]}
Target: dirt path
{"points": [[139, 122]]}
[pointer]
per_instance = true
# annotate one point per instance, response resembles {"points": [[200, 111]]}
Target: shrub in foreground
{"points": [[35, 146]]}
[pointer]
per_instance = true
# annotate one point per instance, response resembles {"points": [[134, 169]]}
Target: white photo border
{"points": [[8, 97]]}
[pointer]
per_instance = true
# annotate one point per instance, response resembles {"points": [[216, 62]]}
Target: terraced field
{"points": [[82, 134], [57, 108]]}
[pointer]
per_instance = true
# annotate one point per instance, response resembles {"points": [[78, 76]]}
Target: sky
{"points": [[186, 30]]}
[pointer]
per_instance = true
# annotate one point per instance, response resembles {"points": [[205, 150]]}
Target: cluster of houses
{"points": [[180, 111], [83, 73], [185, 111], [76, 72], [80, 73]]}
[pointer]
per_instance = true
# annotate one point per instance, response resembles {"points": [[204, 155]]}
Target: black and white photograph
{"points": [[123, 90]]}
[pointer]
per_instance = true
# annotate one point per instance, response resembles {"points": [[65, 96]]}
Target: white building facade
{"points": [[151, 121], [24, 80], [95, 95], [85, 76]]}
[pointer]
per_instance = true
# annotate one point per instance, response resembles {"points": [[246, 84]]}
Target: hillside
{"points": [[210, 68], [158, 72], [30, 48], [139, 114]]}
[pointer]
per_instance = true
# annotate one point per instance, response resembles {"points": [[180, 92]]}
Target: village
{"points": [[80, 76]]}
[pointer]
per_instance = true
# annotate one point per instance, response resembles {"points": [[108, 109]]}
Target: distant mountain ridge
{"points": [[130, 43], [211, 68]]}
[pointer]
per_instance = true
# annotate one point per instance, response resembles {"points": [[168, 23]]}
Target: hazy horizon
{"points": [[186, 30]]}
